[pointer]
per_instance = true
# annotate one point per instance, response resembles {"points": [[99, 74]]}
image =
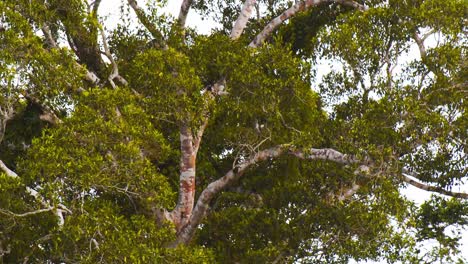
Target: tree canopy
{"points": [[147, 142]]}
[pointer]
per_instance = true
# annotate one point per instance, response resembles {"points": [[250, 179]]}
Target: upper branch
{"points": [[327, 154], [420, 43], [184, 9], [241, 21], [96, 4], [290, 12], [430, 188], [146, 22]]}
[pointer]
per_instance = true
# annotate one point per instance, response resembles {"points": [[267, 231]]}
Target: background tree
{"points": [[152, 143]]}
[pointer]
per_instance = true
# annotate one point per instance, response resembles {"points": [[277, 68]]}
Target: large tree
{"points": [[150, 143]]}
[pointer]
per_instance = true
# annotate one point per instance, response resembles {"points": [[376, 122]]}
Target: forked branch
{"points": [[115, 69], [202, 205]]}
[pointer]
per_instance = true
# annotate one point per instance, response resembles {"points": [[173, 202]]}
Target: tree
{"points": [[152, 143]]}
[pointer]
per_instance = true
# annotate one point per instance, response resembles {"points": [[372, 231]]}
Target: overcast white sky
{"points": [[110, 9]]}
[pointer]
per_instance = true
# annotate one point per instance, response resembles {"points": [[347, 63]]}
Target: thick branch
{"points": [[96, 7], [217, 186], [48, 35], [200, 132], [243, 18], [83, 37], [7, 171], [184, 9], [231, 176], [146, 22], [420, 43], [430, 188], [327, 154], [290, 12]]}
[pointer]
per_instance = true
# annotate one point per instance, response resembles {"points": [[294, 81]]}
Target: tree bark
{"points": [[242, 20], [183, 211], [184, 9]]}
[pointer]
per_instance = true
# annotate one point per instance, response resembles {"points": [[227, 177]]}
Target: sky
{"points": [[111, 10]]}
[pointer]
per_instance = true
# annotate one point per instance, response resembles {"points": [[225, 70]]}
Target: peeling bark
{"points": [[183, 211]]}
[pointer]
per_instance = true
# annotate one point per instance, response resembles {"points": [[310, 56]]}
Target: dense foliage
{"points": [[100, 130]]}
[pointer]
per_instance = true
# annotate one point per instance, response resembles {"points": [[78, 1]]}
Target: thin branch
{"points": [[200, 132], [425, 36], [184, 9], [243, 18], [89, 76], [39, 211], [347, 193], [58, 210], [429, 188], [115, 69], [290, 12], [6, 114]]}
